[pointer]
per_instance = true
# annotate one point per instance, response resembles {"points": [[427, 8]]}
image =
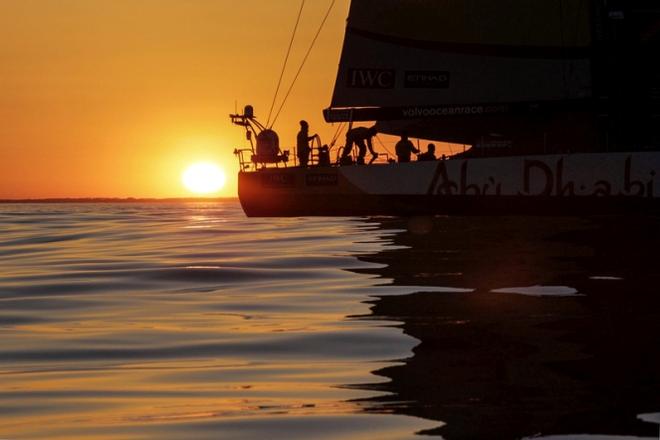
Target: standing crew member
{"points": [[358, 136], [404, 148], [302, 144]]}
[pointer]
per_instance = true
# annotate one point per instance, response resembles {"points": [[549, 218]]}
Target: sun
{"points": [[203, 178]]}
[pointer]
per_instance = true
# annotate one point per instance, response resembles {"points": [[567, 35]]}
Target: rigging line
{"points": [[337, 134], [302, 64], [383, 145], [286, 59]]}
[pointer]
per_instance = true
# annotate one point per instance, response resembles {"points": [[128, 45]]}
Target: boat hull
{"points": [[579, 184]]}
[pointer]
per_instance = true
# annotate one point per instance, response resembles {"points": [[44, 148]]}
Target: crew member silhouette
{"points": [[404, 148], [360, 136], [302, 144], [429, 155]]}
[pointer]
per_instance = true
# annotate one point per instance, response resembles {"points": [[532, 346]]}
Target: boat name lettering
{"points": [[371, 78], [542, 179], [554, 183], [426, 79], [321, 180], [443, 185], [277, 180]]}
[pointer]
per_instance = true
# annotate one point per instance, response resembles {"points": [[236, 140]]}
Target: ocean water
{"points": [[189, 320]]}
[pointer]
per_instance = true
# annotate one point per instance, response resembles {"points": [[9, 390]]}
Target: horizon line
{"points": [[115, 199]]}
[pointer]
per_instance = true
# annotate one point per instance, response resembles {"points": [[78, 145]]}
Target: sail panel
{"points": [[503, 22], [459, 52]]}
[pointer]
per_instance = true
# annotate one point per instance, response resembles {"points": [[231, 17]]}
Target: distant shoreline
{"points": [[119, 200]]}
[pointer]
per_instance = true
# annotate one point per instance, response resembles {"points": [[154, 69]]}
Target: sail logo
{"points": [[371, 78], [426, 79], [460, 110]]}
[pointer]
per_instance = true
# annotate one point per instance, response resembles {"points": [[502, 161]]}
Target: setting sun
{"points": [[203, 178]]}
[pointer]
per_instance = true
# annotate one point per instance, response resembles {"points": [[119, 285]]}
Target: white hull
{"points": [[546, 184]]}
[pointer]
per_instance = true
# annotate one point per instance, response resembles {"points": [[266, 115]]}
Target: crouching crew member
{"points": [[360, 136]]}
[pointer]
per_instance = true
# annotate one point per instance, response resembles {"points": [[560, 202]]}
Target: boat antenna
{"points": [[286, 59], [302, 64]]}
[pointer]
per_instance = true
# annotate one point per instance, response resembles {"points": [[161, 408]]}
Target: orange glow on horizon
{"points": [[114, 99]]}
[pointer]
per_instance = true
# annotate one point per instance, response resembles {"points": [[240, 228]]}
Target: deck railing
{"points": [[320, 155]]}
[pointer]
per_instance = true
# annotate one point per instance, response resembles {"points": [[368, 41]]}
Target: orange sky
{"points": [[114, 98]]}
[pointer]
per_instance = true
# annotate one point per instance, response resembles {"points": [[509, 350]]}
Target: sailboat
{"points": [[557, 101]]}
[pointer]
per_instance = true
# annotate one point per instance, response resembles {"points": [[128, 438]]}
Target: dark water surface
{"points": [[173, 321]]}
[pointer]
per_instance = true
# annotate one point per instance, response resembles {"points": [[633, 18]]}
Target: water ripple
{"points": [[189, 320]]}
